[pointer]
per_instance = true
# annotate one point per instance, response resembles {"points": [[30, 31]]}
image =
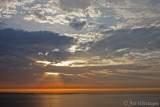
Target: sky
{"points": [[79, 44]]}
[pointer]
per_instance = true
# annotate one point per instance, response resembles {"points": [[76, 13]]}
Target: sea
{"points": [[79, 100]]}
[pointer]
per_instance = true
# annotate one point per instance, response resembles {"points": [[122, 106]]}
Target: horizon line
{"points": [[83, 90]]}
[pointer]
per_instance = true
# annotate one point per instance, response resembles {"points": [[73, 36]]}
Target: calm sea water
{"points": [[79, 100]]}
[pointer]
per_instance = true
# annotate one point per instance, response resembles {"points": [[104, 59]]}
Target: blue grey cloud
{"points": [[74, 4], [2, 24], [124, 46], [140, 38], [78, 25], [38, 14], [17, 45], [121, 46]]}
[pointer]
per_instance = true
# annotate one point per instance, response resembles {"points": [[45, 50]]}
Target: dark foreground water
{"points": [[79, 100]]}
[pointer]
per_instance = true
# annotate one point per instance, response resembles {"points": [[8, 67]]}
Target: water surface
{"points": [[78, 100]]}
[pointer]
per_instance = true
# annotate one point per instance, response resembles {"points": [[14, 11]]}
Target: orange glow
{"points": [[127, 90]]}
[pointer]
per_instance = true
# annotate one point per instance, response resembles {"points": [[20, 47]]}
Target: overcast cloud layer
{"points": [[90, 43]]}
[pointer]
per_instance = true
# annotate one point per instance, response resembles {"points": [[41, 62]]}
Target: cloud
{"points": [[87, 38], [126, 46], [52, 12], [116, 47], [37, 15], [74, 4], [135, 12], [113, 42], [81, 24], [140, 38], [119, 74], [94, 12], [78, 24], [8, 8], [124, 14], [19, 47], [2, 24]]}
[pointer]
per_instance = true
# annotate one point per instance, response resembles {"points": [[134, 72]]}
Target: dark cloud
{"points": [[74, 4], [137, 39], [78, 25], [2, 24], [19, 47]]}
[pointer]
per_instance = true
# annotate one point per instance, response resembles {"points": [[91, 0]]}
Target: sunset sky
{"points": [[79, 44]]}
